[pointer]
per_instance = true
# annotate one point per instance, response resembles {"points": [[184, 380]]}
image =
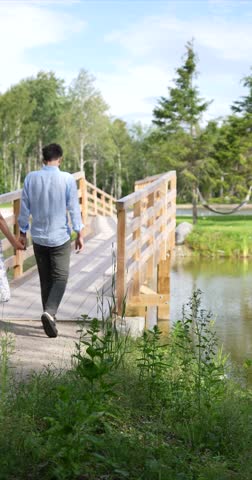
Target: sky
{"points": [[132, 47]]}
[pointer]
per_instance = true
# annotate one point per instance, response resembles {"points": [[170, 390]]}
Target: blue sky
{"points": [[131, 47]]}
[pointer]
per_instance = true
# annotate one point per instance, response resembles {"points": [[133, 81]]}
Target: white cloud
{"points": [[229, 39], [132, 91], [24, 26], [159, 41]]}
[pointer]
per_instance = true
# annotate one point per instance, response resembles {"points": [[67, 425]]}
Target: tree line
{"points": [[214, 156]]}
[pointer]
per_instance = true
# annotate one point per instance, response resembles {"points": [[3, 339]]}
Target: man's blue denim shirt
{"points": [[48, 196]]}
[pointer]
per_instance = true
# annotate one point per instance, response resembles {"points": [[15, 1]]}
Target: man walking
{"points": [[48, 196]]}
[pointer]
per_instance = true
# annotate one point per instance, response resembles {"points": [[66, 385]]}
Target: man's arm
{"points": [[24, 216], [73, 208]]}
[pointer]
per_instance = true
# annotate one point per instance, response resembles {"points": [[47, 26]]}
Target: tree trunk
{"points": [[82, 154], [40, 154], [95, 172], [5, 167], [194, 204], [221, 188], [112, 189], [19, 173], [119, 178], [28, 165]]}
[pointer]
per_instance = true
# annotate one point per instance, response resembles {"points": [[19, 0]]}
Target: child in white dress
{"points": [[4, 284]]}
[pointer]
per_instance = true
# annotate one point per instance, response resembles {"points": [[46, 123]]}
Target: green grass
{"points": [[228, 236], [151, 409], [6, 205]]}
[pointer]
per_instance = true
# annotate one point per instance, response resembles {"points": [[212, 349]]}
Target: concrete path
{"points": [[31, 350]]}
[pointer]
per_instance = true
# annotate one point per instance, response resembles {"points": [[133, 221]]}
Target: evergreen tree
{"points": [[180, 114], [183, 109], [244, 105]]}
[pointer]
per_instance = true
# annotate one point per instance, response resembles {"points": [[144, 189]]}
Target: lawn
{"points": [[229, 236]]}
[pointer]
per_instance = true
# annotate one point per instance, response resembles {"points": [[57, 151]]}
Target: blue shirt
{"points": [[48, 195]]}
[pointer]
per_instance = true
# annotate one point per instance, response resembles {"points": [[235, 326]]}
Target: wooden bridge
{"points": [[128, 244]]}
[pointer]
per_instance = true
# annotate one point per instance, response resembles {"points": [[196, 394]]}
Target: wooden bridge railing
{"points": [[93, 201], [145, 234]]}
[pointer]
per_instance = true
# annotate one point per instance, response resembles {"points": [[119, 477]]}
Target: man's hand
{"points": [[23, 240], [18, 245], [79, 243]]}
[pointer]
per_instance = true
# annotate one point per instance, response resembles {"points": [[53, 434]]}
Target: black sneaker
{"points": [[49, 325]]}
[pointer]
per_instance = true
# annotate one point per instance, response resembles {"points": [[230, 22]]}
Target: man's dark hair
{"points": [[52, 152]]}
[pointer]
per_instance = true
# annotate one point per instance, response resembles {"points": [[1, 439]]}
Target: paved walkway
{"points": [[32, 350]]}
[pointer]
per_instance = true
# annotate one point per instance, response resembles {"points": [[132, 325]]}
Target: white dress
{"points": [[4, 284]]}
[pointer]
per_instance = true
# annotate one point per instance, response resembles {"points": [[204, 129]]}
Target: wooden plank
{"points": [[163, 286], [151, 300], [134, 266], [149, 179], [10, 196], [129, 200], [83, 202], [151, 242], [121, 260], [18, 266], [10, 262], [131, 247], [136, 256], [134, 225], [98, 190]]}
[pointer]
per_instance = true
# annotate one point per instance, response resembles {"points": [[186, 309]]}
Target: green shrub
{"points": [[155, 409]]}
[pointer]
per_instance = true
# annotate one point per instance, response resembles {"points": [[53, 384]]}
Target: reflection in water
{"points": [[227, 292]]}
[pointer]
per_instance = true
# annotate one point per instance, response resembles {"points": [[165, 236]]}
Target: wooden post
{"points": [[137, 310], [163, 287], [173, 189], [121, 258], [150, 223], [95, 200], [164, 266], [136, 257], [111, 206], [164, 247], [83, 189], [18, 266], [103, 202]]}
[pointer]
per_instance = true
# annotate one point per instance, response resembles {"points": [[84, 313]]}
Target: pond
{"points": [[227, 292]]}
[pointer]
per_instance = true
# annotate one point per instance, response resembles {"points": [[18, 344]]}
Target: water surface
{"points": [[227, 291]]}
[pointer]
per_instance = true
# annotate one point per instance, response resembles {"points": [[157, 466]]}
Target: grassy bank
{"points": [[229, 236], [151, 409]]}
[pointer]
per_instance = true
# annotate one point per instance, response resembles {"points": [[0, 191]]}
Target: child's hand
{"points": [[18, 245]]}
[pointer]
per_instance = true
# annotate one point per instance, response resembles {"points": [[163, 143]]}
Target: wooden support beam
{"points": [[150, 300], [148, 297], [150, 223], [163, 286], [121, 259], [18, 254], [135, 311], [83, 192]]}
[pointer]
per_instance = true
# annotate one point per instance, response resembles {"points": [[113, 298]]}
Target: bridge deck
{"points": [[90, 272]]}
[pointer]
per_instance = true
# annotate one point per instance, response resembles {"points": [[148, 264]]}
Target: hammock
{"points": [[235, 209]]}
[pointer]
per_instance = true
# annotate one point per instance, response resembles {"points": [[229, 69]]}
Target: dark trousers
{"points": [[53, 267]]}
